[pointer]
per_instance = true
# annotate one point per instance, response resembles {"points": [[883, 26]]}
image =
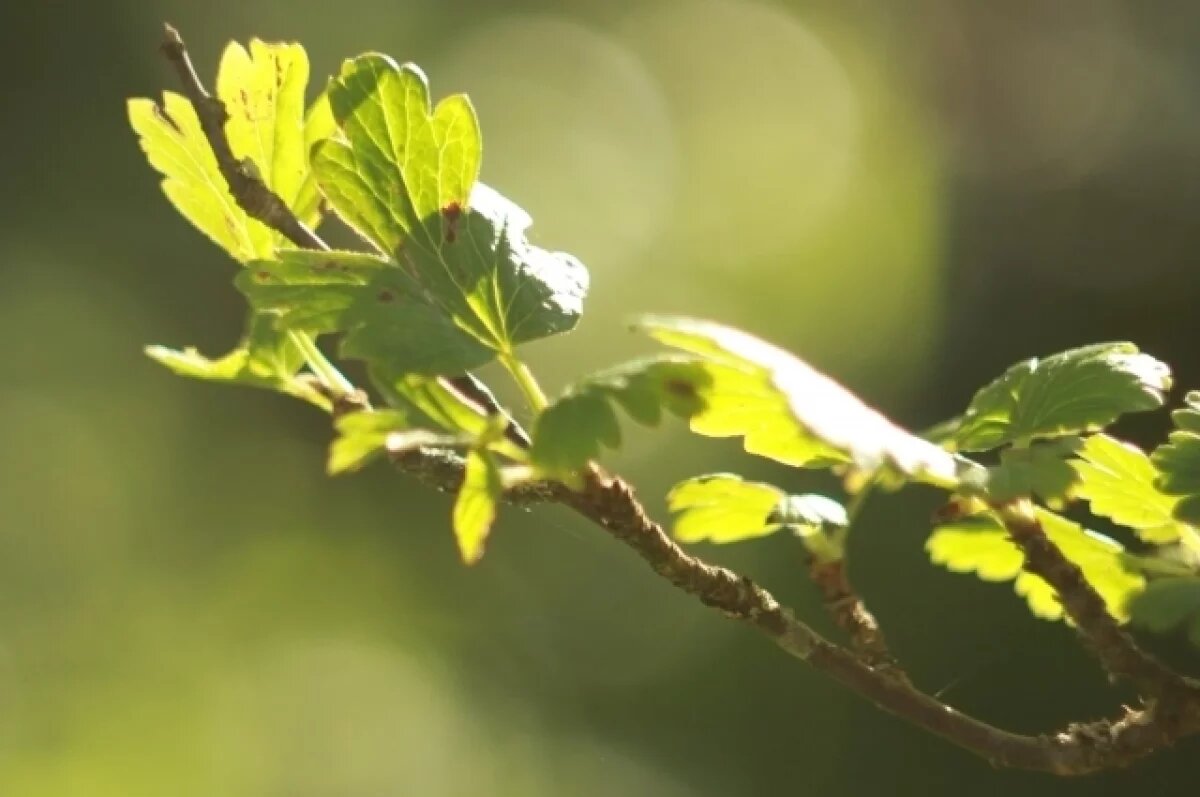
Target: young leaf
{"points": [[405, 178], [1178, 461], [266, 358], [981, 545], [788, 411], [575, 427], [387, 316], [1042, 469], [1118, 480], [1080, 390], [361, 437], [1167, 604], [475, 507], [721, 507], [263, 93]]}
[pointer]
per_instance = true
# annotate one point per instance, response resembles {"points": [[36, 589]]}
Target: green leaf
{"points": [[790, 412], [1178, 461], [721, 507], [1080, 390], [362, 436], [405, 178], [475, 507], [386, 315], [266, 358], [1118, 480], [572, 430], [1168, 604], [319, 125], [263, 93], [981, 545], [1042, 469]]}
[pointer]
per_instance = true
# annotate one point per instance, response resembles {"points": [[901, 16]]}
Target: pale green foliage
{"points": [[263, 92], [475, 507], [1118, 480], [722, 507], [361, 436], [981, 545], [1080, 390], [1178, 461], [1041, 469]]}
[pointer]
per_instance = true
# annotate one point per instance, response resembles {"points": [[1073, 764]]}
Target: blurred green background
{"points": [[909, 195]]}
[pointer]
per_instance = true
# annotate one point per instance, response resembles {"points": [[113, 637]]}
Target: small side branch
{"points": [[1101, 633], [851, 615], [610, 503]]}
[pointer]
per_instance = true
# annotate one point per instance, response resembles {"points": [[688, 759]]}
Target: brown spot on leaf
{"points": [[451, 213], [386, 296], [263, 276], [680, 388]]}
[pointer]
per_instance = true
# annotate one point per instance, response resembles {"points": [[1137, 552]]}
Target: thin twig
{"points": [[260, 202], [1079, 749], [850, 613], [1115, 649]]}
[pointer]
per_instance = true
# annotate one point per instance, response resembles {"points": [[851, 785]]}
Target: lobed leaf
{"points": [[404, 176], [1169, 604], [721, 507], [981, 545], [1080, 390], [788, 411], [263, 92], [1042, 469], [1118, 480], [1178, 461], [575, 428], [266, 358], [362, 436], [475, 507]]}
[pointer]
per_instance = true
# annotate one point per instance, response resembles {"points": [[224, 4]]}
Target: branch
{"points": [[260, 202], [608, 502], [852, 616], [1115, 649]]}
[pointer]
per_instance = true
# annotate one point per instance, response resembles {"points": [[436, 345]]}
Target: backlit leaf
{"points": [[1118, 480], [790, 412], [266, 358], [263, 92], [362, 436], [578, 425], [1042, 469], [981, 545], [1178, 461], [721, 507], [1080, 390], [404, 176], [475, 507]]}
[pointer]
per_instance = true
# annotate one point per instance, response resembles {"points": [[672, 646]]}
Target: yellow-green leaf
{"points": [[263, 92], [722, 507], [475, 507], [981, 545], [1118, 480]]}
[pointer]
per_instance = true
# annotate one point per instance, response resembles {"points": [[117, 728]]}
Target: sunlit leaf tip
{"points": [[788, 411], [1075, 391]]}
